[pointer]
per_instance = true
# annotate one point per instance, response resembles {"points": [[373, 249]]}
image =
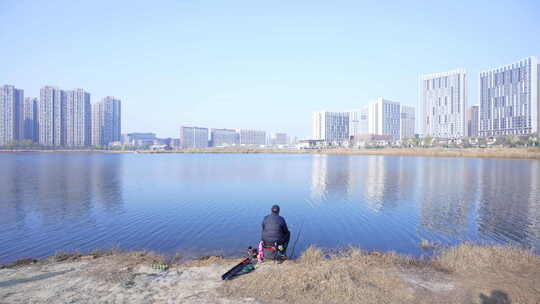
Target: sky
{"points": [[254, 64]]}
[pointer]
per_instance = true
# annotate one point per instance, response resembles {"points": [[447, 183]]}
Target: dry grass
{"points": [[495, 269], [468, 273], [350, 277], [498, 152], [133, 257], [468, 257]]}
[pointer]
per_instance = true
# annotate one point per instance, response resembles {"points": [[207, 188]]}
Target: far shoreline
{"points": [[505, 153]]}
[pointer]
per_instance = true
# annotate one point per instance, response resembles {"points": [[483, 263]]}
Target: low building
{"points": [[279, 139], [223, 137], [139, 139], [251, 137], [193, 137]]}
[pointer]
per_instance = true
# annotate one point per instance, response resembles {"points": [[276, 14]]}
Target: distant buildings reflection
{"points": [[456, 198], [509, 208], [59, 186], [376, 181], [447, 188]]}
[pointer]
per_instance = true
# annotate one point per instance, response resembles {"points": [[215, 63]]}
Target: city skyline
{"points": [[255, 56]]}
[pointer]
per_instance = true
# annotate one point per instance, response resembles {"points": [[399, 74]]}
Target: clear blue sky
{"points": [[254, 64]]}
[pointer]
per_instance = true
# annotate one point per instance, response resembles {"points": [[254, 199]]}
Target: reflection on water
{"points": [[46, 196], [446, 192], [509, 205], [213, 204]]}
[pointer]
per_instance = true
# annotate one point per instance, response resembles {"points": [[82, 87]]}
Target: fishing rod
{"points": [[297, 237]]}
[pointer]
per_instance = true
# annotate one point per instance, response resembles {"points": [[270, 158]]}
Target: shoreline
{"points": [[508, 153], [466, 273]]}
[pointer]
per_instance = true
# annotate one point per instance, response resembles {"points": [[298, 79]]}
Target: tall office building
{"points": [[51, 116], [106, 121], [78, 118], [251, 137], [384, 118], [11, 114], [223, 137], [407, 129], [330, 126], [359, 122], [193, 137], [510, 99], [30, 117], [444, 104], [473, 121]]}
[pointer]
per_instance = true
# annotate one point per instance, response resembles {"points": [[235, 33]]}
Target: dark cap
{"points": [[275, 209]]}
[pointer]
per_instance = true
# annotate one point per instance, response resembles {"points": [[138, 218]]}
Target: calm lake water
{"points": [[202, 204]]}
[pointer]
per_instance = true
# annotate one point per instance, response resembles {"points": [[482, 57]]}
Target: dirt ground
{"points": [[466, 274]]}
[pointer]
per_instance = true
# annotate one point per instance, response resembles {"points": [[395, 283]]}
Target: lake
{"points": [[206, 204]]}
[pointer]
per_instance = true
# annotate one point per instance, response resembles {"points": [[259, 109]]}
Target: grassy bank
{"points": [[530, 153], [465, 274], [523, 153]]}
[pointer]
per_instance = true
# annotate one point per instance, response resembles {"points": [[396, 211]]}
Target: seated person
{"points": [[275, 231]]}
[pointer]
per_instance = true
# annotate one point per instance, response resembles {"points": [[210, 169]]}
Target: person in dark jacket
{"points": [[275, 230]]}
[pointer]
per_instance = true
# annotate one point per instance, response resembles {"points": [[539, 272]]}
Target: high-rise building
{"points": [[444, 104], [384, 118], [78, 118], [278, 139], [510, 99], [193, 137], [223, 137], [473, 121], [359, 122], [51, 116], [251, 137], [106, 121], [407, 129], [330, 126], [11, 114], [30, 117]]}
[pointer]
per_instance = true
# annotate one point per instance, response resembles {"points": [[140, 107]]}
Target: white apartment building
{"points": [[444, 104], [509, 99], [407, 117], [30, 114], [330, 126], [51, 116], [473, 122], [106, 121], [384, 118], [359, 122], [11, 114], [193, 137], [251, 137], [223, 137], [78, 118]]}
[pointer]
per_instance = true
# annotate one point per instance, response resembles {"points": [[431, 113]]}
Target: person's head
{"points": [[275, 209]]}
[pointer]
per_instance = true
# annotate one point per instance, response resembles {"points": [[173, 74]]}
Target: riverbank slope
{"points": [[523, 153], [466, 274]]}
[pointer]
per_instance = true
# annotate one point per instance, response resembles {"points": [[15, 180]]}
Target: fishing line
{"points": [[297, 237]]}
